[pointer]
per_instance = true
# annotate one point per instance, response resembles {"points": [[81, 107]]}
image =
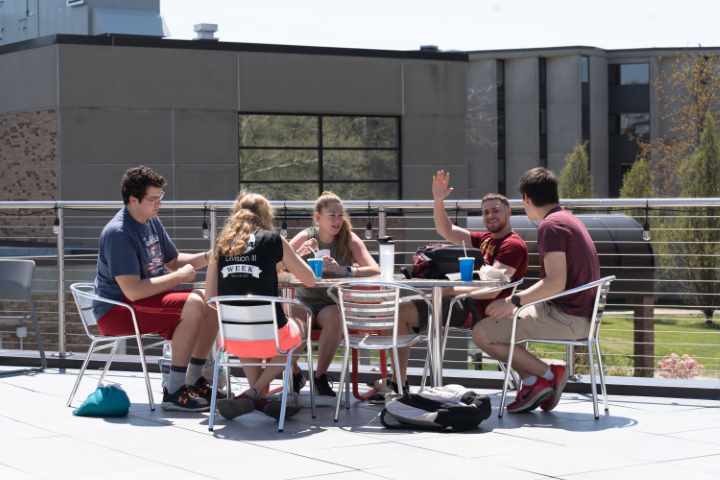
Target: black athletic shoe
{"points": [[271, 408], [299, 381], [203, 389], [184, 400], [231, 408], [322, 386]]}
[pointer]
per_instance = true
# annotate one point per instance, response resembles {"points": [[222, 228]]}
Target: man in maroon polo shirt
{"points": [[568, 259]]}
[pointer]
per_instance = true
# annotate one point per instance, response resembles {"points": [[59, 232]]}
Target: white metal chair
{"points": [[592, 342], [455, 303], [254, 317], [84, 296], [368, 308], [16, 285]]}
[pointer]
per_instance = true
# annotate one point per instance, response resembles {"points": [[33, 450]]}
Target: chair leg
{"points": [[601, 370], [426, 369], [286, 387], [396, 369], [311, 379], [228, 385], [593, 385], [141, 351], [343, 372], [38, 338], [109, 361], [347, 392], [508, 369], [213, 396], [81, 373]]}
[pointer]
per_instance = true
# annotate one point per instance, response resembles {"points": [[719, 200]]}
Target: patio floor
{"points": [[644, 437]]}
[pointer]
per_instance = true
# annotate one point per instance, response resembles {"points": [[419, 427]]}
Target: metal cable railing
{"points": [[663, 302]]}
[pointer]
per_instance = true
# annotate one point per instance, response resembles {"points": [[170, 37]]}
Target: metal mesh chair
{"points": [[456, 301], [84, 296], [592, 342], [16, 285], [254, 318], [367, 308]]}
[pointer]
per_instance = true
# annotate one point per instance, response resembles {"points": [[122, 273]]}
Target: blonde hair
{"points": [[344, 235], [250, 212]]}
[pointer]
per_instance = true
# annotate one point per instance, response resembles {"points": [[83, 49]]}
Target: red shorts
{"points": [[157, 314], [289, 337]]}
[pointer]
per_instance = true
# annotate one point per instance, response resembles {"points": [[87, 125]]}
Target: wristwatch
{"points": [[349, 271], [515, 300]]}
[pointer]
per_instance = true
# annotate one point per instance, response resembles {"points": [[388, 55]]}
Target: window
{"points": [[542, 111], [635, 125], [634, 74], [501, 139], [296, 157], [584, 69]]}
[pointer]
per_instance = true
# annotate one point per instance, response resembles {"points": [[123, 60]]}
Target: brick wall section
{"points": [[28, 146]]}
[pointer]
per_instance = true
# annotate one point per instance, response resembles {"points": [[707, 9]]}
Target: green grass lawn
{"points": [[681, 334]]}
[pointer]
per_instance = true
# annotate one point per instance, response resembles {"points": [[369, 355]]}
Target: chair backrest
{"points": [[368, 305], [600, 303], [84, 296], [16, 279], [247, 317]]}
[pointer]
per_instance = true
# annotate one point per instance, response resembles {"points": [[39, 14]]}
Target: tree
{"points": [[687, 88], [637, 182], [575, 180], [697, 244]]}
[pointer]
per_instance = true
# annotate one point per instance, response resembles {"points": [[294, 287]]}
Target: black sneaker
{"points": [[203, 389], [299, 381], [394, 386], [322, 386], [184, 400]]}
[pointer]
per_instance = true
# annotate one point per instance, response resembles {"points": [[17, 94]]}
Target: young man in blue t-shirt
{"points": [[138, 264]]}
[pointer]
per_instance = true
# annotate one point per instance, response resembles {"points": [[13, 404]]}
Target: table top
{"points": [[289, 280]]}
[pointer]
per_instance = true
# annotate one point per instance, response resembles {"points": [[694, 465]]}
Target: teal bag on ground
{"points": [[106, 401]]}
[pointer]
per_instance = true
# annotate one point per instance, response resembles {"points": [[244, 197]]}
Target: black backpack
{"points": [[449, 408], [437, 260]]}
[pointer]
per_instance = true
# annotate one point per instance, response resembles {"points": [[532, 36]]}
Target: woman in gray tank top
{"points": [[345, 255]]}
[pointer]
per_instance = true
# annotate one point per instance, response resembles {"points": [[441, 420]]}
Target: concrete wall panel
{"points": [[522, 104], [133, 77], [564, 102], [481, 148], [318, 84], [115, 137], [599, 151], [205, 137], [28, 80], [434, 87]]}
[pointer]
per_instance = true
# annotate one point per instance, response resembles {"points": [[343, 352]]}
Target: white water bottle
{"points": [[165, 363], [387, 258]]}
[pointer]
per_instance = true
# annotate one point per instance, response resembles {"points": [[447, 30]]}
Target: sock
{"points": [[548, 375], [194, 370], [177, 378], [529, 381]]}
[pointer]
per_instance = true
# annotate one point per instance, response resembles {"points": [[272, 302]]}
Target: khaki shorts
{"points": [[538, 321]]}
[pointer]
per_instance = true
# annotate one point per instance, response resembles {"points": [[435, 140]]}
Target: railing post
{"points": [[213, 226], [382, 227], [61, 281]]}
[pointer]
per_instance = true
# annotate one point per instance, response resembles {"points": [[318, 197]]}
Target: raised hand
{"points": [[441, 188]]}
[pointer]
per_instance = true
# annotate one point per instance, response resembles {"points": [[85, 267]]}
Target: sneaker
{"points": [[322, 386], [299, 381], [394, 386], [203, 389], [558, 383], [530, 396], [184, 400], [272, 407], [231, 408]]}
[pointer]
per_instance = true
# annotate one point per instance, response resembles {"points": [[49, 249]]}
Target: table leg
{"points": [[436, 337]]}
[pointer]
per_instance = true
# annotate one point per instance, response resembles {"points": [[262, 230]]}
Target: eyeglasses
{"points": [[155, 198]]}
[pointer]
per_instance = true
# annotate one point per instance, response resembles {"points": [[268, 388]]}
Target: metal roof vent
{"points": [[205, 31], [429, 48]]}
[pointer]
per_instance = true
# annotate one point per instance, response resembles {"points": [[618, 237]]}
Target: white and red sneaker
{"points": [[530, 396], [558, 383]]}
